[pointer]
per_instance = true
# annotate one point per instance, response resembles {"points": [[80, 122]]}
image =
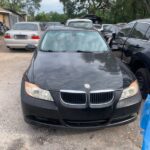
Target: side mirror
{"points": [[31, 47]]}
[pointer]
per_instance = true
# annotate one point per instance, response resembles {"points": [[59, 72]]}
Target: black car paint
{"points": [[55, 71], [135, 52]]}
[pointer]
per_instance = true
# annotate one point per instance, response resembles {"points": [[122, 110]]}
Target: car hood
{"points": [[71, 71]]}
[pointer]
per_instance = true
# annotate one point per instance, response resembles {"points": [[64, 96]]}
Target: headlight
{"points": [[132, 90], [36, 92]]}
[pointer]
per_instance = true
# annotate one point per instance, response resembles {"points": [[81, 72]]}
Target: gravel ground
{"points": [[15, 134]]}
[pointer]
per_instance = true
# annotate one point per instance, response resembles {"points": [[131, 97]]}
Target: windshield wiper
{"points": [[47, 50], [80, 51], [53, 51]]}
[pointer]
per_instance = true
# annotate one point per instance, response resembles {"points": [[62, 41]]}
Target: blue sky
{"points": [[51, 5]]}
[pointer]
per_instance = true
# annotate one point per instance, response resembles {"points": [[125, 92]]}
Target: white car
{"points": [[22, 34], [105, 26], [98, 27], [80, 23]]}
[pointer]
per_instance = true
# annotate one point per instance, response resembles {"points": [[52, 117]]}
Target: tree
{"points": [[69, 7], [18, 5], [112, 11], [127, 10], [85, 6], [52, 16], [147, 5]]}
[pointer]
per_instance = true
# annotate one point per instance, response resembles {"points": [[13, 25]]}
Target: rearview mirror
{"points": [[31, 47]]}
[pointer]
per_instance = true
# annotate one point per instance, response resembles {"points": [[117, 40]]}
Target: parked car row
{"points": [[24, 33]]}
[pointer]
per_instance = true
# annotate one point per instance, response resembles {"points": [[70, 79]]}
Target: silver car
{"points": [[22, 34], [80, 23]]}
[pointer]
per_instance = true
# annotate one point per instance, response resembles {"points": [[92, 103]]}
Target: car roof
{"points": [[97, 25], [107, 24], [28, 23], [143, 20], [75, 20], [69, 28]]}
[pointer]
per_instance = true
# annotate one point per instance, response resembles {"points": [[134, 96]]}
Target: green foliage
{"points": [[52, 16], [127, 10], [111, 11], [77, 7], [18, 5]]}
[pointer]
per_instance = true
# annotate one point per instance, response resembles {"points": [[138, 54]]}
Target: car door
{"points": [[121, 38], [135, 42]]}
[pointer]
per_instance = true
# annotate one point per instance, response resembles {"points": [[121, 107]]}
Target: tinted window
{"points": [[147, 36], [126, 30], [73, 41], [25, 26], [97, 26], [139, 31]]}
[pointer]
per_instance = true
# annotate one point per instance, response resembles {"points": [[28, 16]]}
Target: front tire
{"points": [[143, 77]]}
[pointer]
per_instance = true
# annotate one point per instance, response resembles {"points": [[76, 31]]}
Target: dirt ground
{"points": [[15, 134]]}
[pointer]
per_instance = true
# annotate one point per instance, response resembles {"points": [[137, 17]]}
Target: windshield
{"points": [[81, 24], [71, 41], [26, 26]]}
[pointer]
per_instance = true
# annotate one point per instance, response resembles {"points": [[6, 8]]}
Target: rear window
{"points": [[26, 26], [81, 24], [97, 26]]}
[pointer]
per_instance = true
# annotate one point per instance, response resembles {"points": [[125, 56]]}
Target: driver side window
{"points": [[147, 36], [126, 30]]}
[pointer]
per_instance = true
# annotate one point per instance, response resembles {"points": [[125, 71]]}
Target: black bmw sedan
{"points": [[75, 81]]}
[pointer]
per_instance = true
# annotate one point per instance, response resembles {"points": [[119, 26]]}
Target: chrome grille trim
{"points": [[70, 104], [87, 95], [102, 105]]}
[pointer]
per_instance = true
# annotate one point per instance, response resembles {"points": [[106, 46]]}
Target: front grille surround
{"points": [[93, 99], [74, 97], [73, 105], [108, 95]]}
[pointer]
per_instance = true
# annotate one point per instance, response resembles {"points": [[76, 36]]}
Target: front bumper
{"points": [[53, 114]]}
